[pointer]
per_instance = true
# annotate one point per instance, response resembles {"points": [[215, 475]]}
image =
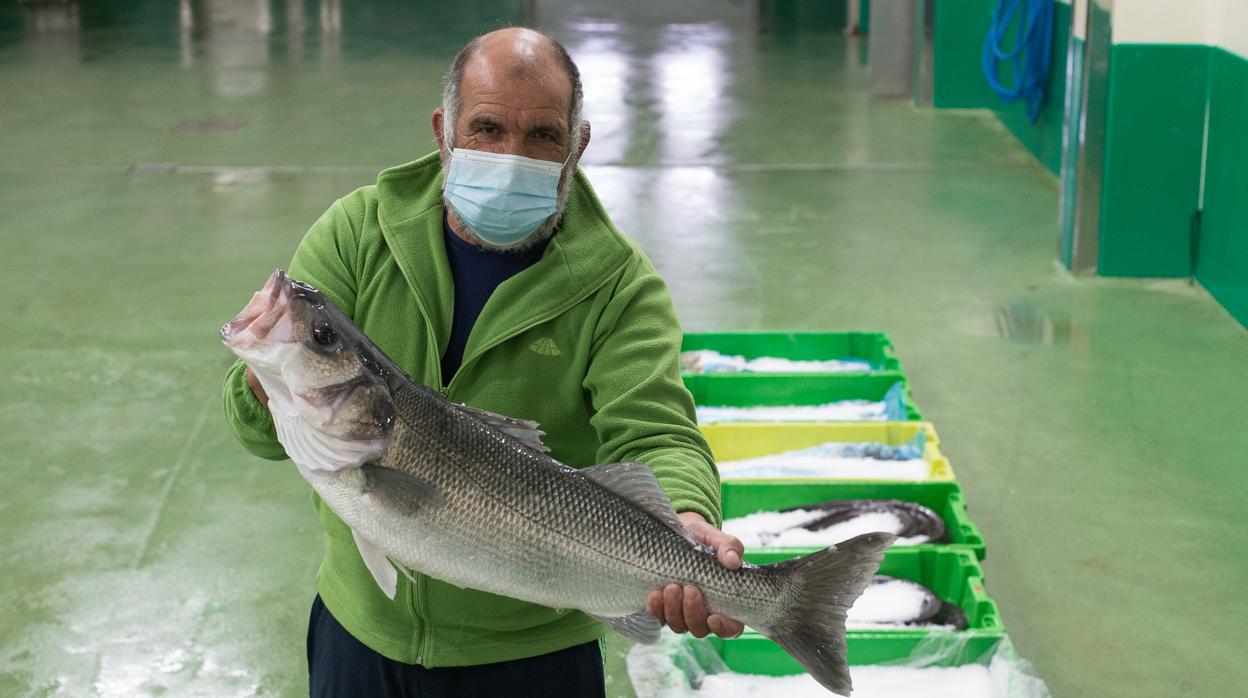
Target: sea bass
{"points": [[472, 498]]}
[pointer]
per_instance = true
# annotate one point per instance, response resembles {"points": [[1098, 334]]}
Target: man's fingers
{"points": [[654, 604], [724, 626], [728, 548], [673, 603], [695, 612]]}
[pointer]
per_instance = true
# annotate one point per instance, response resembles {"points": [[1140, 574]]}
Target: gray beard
{"points": [[544, 232]]}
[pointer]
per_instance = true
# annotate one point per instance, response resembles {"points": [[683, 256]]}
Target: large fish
{"points": [[470, 497]]}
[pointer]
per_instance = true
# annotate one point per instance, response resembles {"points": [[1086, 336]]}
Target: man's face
{"points": [[514, 109]]}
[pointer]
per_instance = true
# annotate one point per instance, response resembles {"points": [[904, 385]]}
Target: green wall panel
{"points": [[958, 33], [1223, 265], [1154, 135], [791, 16]]}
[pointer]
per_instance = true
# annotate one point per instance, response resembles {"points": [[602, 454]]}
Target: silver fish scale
{"points": [[516, 522]]}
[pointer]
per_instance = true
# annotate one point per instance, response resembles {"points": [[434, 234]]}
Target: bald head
{"points": [[516, 69], [518, 54]]}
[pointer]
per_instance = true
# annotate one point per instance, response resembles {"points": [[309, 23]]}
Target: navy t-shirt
{"points": [[477, 272]]}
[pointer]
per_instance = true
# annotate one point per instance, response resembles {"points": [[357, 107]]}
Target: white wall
{"points": [[1228, 25], [1161, 21], [1215, 22]]}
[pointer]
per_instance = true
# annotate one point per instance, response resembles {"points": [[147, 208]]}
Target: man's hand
{"points": [[683, 609], [258, 389]]}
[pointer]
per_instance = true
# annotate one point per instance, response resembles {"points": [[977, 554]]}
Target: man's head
{"points": [[514, 92]]}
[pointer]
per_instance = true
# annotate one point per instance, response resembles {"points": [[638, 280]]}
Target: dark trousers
{"points": [[340, 666]]}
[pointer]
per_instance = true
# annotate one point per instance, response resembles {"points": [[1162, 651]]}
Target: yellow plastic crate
{"points": [[738, 441]]}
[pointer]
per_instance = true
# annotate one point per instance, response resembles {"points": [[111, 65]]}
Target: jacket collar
{"points": [[585, 253]]}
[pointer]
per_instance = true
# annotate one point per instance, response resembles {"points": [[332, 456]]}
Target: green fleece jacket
{"points": [[585, 342]]}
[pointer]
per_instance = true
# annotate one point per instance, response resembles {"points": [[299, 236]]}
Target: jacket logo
{"points": [[546, 347]]}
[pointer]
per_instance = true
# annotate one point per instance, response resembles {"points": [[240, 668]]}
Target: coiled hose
{"points": [[1030, 55]]}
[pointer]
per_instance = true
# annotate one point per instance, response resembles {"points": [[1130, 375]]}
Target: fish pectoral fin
{"points": [[396, 489], [637, 483], [378, 564], [639, 627], [525, 430]]}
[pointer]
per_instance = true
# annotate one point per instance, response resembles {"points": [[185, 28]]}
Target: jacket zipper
{"points": [[417, 600], [419, 609]]}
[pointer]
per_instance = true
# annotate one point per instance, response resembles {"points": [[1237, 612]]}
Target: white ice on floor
{"points": [[829, 467], [842, 411], [711, 361], [972, 681], [773, 529]]}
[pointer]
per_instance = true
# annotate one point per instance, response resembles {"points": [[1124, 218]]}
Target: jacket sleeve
{"points": [[642, 411], [326, 259]]}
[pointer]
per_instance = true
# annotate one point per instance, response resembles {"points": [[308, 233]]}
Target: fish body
{"points": [[472, 498]]}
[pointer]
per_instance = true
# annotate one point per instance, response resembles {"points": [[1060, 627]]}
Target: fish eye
{"points": [[324, 335]]}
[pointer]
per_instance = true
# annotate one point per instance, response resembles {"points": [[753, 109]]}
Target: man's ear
{"points": [[584, 138], [438, 132]]}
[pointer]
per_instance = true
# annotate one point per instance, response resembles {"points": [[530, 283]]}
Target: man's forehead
{"points": [[520, 73]]}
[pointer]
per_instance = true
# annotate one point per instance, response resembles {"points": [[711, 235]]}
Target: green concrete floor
{"points": [[1093, 423]]}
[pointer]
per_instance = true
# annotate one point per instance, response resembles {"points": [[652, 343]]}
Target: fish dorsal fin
{"points": [[526, 431], [637, 483]]}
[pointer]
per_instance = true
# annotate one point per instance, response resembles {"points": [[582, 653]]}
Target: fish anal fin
{"points": [[526, 431], [639, 627], [637, 483], [378, 565]]}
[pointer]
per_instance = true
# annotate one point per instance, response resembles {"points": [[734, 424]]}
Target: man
{"points": [[491, 272]]}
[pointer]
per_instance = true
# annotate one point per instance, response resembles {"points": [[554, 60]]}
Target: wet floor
{"points": [[157, 160]]}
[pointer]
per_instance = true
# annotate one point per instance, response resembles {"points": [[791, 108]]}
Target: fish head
{"points": [[325, 379]]}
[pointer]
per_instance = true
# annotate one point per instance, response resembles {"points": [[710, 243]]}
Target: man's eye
{"points": [[489, 130]]}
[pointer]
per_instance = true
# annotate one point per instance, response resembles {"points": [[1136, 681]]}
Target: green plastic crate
{"points": [[944, 498], [752, 390], [954, 575], [754, 654], [873, 347]]}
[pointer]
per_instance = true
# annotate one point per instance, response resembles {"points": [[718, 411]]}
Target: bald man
{"points": [[489, 270]]}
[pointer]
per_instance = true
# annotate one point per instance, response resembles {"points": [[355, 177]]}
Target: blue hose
{"points": [[1030, 56]]}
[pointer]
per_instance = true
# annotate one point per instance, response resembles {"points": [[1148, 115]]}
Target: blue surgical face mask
{"points": [[502, 198]]}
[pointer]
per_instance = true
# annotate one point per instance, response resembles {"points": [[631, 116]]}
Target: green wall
{"points": [[958, 33], [1223, 263], [793, 15], [1154, 136]]}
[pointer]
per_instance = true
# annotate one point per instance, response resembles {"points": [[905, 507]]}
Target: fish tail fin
{"points": [[822, 588]]}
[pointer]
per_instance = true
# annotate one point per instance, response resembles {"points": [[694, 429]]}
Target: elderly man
{"points": [[489, 270]]}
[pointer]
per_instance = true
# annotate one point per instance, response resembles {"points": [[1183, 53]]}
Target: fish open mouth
{"points": [[266, 317]]}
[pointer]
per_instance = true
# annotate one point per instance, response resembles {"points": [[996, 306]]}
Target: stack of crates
{"points": [[950, 569]]}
